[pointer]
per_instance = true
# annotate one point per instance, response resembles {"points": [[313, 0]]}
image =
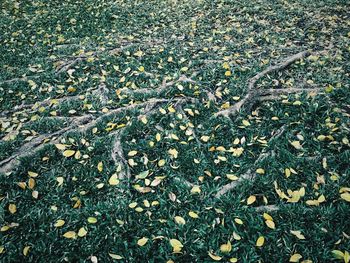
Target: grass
{"points": [[170, 159]]}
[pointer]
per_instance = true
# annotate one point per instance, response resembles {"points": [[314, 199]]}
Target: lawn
{"points": [[175, 131]]}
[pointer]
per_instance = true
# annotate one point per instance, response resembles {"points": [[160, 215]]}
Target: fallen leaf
{"points": [[113, 180], [295, 258], [260, 241], [59, 223], [176, 244], [70, 235], [82, 232], [68, 153], [142, 241], [214, 257]]}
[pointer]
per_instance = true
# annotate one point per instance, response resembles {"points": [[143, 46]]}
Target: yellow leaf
{"points": [[176, 244], [32, 174], [205, 138], [321, 199], [338, 254], [100, 166], [296, 145], [233, 260], [298, 234], [295, 258], [132, 205], [142, 241], [61, 146], [82, 232], [59, 223], [260, 242], [31, 183], [232, 177], [226, 248], [195, 189], [228, 73], [214, 257], [60, 180], [270, 224], [132, 153], [312, 202], [239, 221], [267, 216], [173, 152], [2, 249], [26, 250], [180, 220], [251, 199], [246, 123], [193, 214], [92, 220], [260, 171], [113, 180], [12, 208], [70, 234], [345, 196], [287, 172], [68, 153], [115, 256], [161, 162]]}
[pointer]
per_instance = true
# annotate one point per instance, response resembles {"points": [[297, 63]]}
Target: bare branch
{"points": [[252, 93]]}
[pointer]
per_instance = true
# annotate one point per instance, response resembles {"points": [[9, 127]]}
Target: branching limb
{"points": [[250, 174], [253, 94], [79, 124]]}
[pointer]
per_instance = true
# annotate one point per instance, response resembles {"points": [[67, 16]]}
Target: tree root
{"points": [[35, 145], [250, 174], [117, 156], [100, 92], [64, 66], [163, 86], [79, 124], [254, 95]]}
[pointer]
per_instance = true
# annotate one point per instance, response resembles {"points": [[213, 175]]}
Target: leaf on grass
{"points": [[113, 180], [100, 167], [296, 145], [295, 258], [26, 250], [298, 234], [142, 241], [115, 256], [251, 199], [260, 241], [214, 257], [59, 223], [12, 208], [226, 248], [32, 174], [193, 214], [270, 224], [70, 235], [82, 232], [345, 196], [176, 244], [132, 153], [142, 175], [180, 220], [61, 146], [68, 153], [92, 220]]}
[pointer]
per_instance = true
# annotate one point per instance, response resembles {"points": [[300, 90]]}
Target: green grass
{"points": [[175, 37]]}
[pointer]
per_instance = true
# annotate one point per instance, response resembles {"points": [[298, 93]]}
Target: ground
{"points": [[174, 131]]}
